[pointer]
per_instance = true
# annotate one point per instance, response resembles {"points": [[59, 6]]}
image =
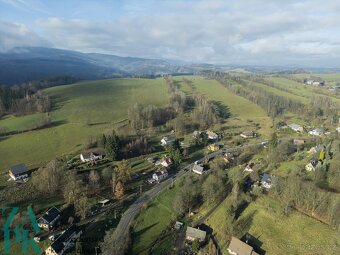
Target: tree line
{"points": [[27, 97]]}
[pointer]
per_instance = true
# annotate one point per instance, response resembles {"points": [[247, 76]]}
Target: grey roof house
{"points": [[19, 172], [50, 219]]}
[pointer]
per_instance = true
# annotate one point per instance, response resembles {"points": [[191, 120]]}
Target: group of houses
{"points": [[315, 82], [161, 173], [236, 246], [210, 134]]}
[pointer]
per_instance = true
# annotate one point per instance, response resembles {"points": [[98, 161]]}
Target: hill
{"points": [[80, 110], [34, 63]]}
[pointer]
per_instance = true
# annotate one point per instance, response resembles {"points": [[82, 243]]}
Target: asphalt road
{"points": [[135, 208]]}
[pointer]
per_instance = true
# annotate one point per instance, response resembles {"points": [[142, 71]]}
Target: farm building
{"points": [[19, 172], [237, 247], [50, 219]]}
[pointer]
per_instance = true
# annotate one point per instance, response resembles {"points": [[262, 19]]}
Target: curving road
{"points": [[135, 208]]}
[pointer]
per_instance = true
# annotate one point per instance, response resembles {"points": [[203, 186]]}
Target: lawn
{"points": [[279, 92], [303, 90], [152, 221], [279, 234], [79, 111], [240, 108], [13, 123]]}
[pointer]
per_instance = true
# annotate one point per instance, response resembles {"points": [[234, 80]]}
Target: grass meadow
{"points": [[152, 221], [80, 110], [279, 234], [241, 109]]}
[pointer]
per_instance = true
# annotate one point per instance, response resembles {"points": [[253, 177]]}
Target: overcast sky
{"points": [[255, 32]]}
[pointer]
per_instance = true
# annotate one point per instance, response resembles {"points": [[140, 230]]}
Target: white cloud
{"points": [[248, 32], [13, 35]]}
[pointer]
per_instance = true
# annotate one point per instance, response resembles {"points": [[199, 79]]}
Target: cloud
{"points": [[241, 32], [13, 35]]}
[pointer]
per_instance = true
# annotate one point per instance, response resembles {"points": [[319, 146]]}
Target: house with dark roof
{"points": [[64, 242], [237, 247], [193, 234], [50, 219], [19, 172]]}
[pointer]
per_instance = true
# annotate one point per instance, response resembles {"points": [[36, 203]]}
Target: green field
{"points": [[240, 108], [295, 234], [22, 123], [80, 110], [152, 221], [280, 92], [303, 90]]}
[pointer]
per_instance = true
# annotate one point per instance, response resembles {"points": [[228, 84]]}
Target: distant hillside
{"points": [[33, 63]]}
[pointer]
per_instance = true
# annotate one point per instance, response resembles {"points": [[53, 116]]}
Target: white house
{"points": [[167, 140], [212, 135], [296, 127], [90, 156], [160, 175], [316, 132], [166, 162]]}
